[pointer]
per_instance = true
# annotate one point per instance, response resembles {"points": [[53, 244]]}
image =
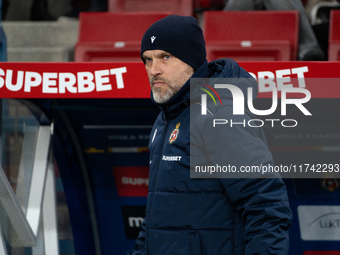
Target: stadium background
{"points": [[99, 143]]}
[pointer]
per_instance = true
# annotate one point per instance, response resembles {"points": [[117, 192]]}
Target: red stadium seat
{"points": [[105, 37], [334, 36], [179, 7], [251, 35]]}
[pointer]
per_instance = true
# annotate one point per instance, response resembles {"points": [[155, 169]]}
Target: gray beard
{"points": [[169, 93]]}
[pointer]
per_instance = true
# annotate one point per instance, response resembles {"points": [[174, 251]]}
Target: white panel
{"points": [[25, 169], [50, 214], [3, 250], [38, 178], [39, 248], [319, 223], [14, 211]]}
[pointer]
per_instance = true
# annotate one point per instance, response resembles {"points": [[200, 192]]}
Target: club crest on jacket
{"points": [[174, 133], [330, 183]]}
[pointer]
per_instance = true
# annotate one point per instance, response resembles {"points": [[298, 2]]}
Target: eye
{"points": [[147, 60], [166, 57]]}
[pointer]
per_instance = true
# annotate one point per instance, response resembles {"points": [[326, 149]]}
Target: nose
{"points": [[155, 68]]}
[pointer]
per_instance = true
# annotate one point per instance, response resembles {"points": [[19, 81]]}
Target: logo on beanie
{"points": [[153, 38]]}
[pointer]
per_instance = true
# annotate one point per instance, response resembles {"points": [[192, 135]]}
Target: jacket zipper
{"points": [[151, 202]]}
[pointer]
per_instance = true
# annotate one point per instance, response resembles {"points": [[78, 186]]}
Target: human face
{"points": [[167, 74]]}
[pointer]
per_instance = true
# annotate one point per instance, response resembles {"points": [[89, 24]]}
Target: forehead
{"points": [[149, 53]]}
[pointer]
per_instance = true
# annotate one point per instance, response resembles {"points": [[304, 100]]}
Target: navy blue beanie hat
{"points": [[181, 36]]}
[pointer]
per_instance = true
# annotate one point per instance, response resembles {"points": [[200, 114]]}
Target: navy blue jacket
{"points": [[210, 216]]}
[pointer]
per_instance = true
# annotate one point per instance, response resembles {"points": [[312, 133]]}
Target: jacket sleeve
{"points": [[261, 204], [262, 207], [139, 248]]}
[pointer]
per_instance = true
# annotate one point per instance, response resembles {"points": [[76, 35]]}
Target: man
{"points": [[203, 216]]}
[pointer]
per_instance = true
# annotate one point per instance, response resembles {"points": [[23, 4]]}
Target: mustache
{"points": [[156, 78]]}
